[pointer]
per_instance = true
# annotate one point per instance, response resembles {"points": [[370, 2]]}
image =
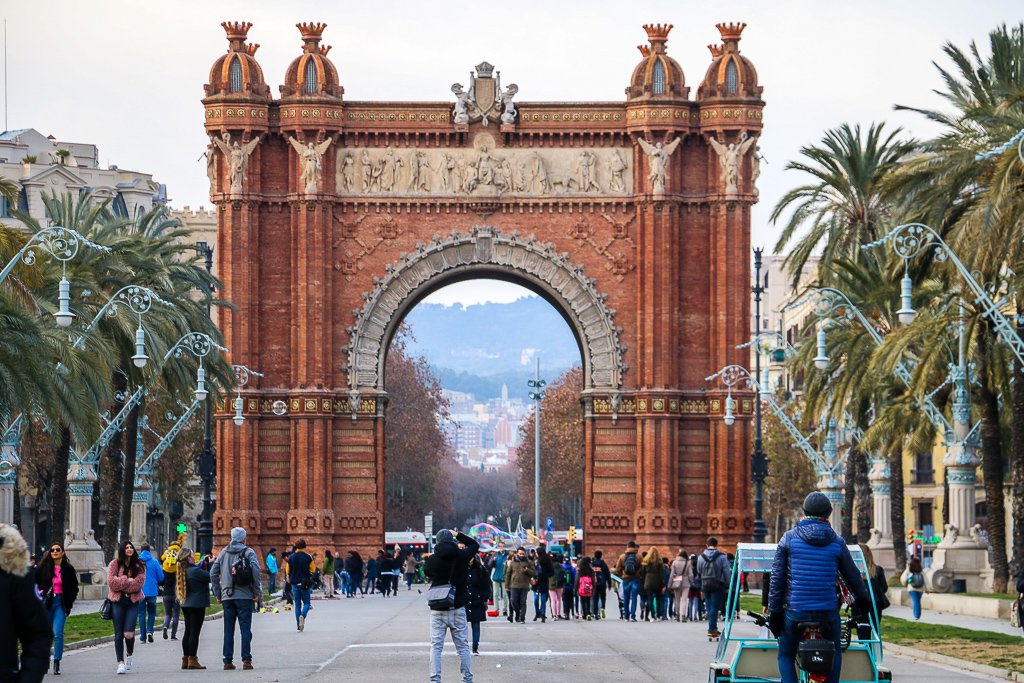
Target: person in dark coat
{"points": [[23, 619], [1020, 587], [449, 566], [57, 582], [480, 592], [385, 569], [192, 590]]}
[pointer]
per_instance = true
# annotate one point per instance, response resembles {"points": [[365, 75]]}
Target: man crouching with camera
{"points": [[448, 571]]}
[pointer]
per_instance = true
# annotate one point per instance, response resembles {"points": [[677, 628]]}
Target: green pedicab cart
{"points": [[744, 656]]}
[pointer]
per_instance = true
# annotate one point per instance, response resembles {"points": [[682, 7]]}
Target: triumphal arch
{"points": [[632, 218]]}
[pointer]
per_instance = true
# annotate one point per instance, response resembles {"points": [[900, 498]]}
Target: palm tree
{"points": [[842, 208]]}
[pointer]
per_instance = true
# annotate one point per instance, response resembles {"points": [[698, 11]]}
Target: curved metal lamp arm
{"points": [[61, 243], [137, 298]]}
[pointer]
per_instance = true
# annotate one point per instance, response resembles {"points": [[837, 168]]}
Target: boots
{"points": [[184, 662], [56, 667], [193, 663]]}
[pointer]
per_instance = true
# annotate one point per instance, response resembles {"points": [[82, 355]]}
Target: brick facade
{"points": [[322, 278]]}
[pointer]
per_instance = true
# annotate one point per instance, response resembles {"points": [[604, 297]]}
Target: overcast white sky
{"points": [[128, 76]]}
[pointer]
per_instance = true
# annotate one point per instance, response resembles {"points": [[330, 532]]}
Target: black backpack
{"points": [[241, 571], [709, 582], [631, 565]]}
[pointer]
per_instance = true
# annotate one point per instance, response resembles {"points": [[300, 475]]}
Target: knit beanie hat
{"points": [[238, 534], [817, 504], [444, 536]]}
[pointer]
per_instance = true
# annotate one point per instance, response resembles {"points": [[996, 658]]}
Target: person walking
{"points": [[126, 575], [23, 620], [150, 592], [1020, 591], [569, 590], [679, 583], [372, 572], [300, 575], [627, 568], [695, 606], [496, 567], [238, 587], [556, 584], [396, 570], [545, 571], [449, 566], [586, 579], [286, 592], [875, 578], [57, 582], [328, 574], [479, 585], [603, 577], [192, 591], [410, 570], [518, 573], [271, 572], [913, 579], [715, 574], [385, 566], [650, 570], [354, 566], [172, 609]]}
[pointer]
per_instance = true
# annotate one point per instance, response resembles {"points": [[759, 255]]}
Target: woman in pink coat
{"points": [[126, 575], [679, 583]]}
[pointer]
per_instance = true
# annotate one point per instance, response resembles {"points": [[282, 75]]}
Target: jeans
{"points": [[498, 593], [441, 621], [124, 624], [517, 610], [194, 618], [172, 611], [302, 596], [568, 597], [355, 581], [714, 602], [915, 599], [408, 580], [540, 604], [240, 611], [272, 583], [57, 619], [474, 626], [789, 641], [599, 599], [147, 606], [630, 593]]}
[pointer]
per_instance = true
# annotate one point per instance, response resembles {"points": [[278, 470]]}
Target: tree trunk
{"points": [[131, 440], [849, 493], [864, 502], [59, 504], [992, 465], [113, 472], [897, 517], [1017, 456]]}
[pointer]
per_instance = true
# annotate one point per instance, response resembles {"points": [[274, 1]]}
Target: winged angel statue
{"points": [[312, 162], [729, 158], [237, 157], [657, 155]]}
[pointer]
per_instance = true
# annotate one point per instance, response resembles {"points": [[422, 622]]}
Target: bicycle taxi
{"points": [[748, 653]]}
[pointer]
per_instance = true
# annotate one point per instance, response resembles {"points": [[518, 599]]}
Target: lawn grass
{"points": [[981, 647], [995, 596]]}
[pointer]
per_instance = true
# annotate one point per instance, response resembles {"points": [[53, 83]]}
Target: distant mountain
{"points": [[478, 348]]}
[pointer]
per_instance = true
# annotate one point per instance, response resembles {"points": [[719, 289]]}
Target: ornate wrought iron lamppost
{"points": [[537, 395], [758, 461], [207, 457]]}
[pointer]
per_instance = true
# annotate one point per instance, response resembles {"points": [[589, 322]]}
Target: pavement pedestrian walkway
{"points": [[949, 619]]}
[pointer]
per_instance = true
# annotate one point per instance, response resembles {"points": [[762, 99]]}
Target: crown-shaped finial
{"points": [[716, 51], [657, 32], [324, 49], [644, 50], [251, 48], [237, 32], [311, 32], [731, 31]]}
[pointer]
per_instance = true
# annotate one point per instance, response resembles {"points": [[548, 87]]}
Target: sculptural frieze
{"points": [[484, 170], [484, 100]]}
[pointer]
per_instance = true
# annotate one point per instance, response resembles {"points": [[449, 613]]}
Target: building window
{"points": [[118, 206], [310, 79], [236, 75], [658, 76], [925, 516], [731, 78], [923, 474], [23, 200], [5, 209]]}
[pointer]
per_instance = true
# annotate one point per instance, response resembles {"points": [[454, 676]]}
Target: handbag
{"points": [[443, 597], [107, 610]]}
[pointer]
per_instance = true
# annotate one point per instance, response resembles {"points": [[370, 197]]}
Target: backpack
{"points": [[598, 576], [917, 580], [709, 582], [631, 565], [559, 577], [241, 571], [171, 560], [586, 587]]}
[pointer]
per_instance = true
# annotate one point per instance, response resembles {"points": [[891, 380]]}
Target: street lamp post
{"points": [[538, 385], [758, 462], [207, 457]]}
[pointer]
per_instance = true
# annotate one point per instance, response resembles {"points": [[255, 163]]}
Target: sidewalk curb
{"points": [[92, 642], [914, 653]]}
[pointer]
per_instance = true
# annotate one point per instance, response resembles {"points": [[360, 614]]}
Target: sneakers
{"points": [[633, 620], [121, 668], [476, 653], [602, 612], [151, 636], [302, 623], [128, 662], [165, 633]]}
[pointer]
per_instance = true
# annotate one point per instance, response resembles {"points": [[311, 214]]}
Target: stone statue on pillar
{"points": [[658, 155], [237, 157], [729, 158], [311, 157]]}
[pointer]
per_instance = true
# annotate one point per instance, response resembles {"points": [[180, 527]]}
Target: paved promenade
{"points": [[365, 639]]}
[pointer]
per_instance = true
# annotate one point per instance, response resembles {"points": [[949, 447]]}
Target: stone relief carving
{"points": [[485, 100], [237, 158], [312, 162], [730, 158], [485, 245], [658, 155], [484, 171]]}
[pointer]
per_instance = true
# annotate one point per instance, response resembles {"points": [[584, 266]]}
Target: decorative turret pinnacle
{"points": [[730, 33], [644, 50], [716, 51], [658, 35], [311, 35], [237, 32]]}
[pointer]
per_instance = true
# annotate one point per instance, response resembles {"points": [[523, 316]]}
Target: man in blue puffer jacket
{"points": [[803, 584]]}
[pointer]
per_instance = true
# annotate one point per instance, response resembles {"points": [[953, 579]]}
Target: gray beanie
{"points": [[238, 534], [817, 504], [444, 536]]}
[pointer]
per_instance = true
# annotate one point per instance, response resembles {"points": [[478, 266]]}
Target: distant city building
{"points": [[484, 435], [41, 164], [775, 318]]}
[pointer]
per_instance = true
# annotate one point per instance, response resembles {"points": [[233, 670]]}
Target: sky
{"points": [[128, 76]]}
